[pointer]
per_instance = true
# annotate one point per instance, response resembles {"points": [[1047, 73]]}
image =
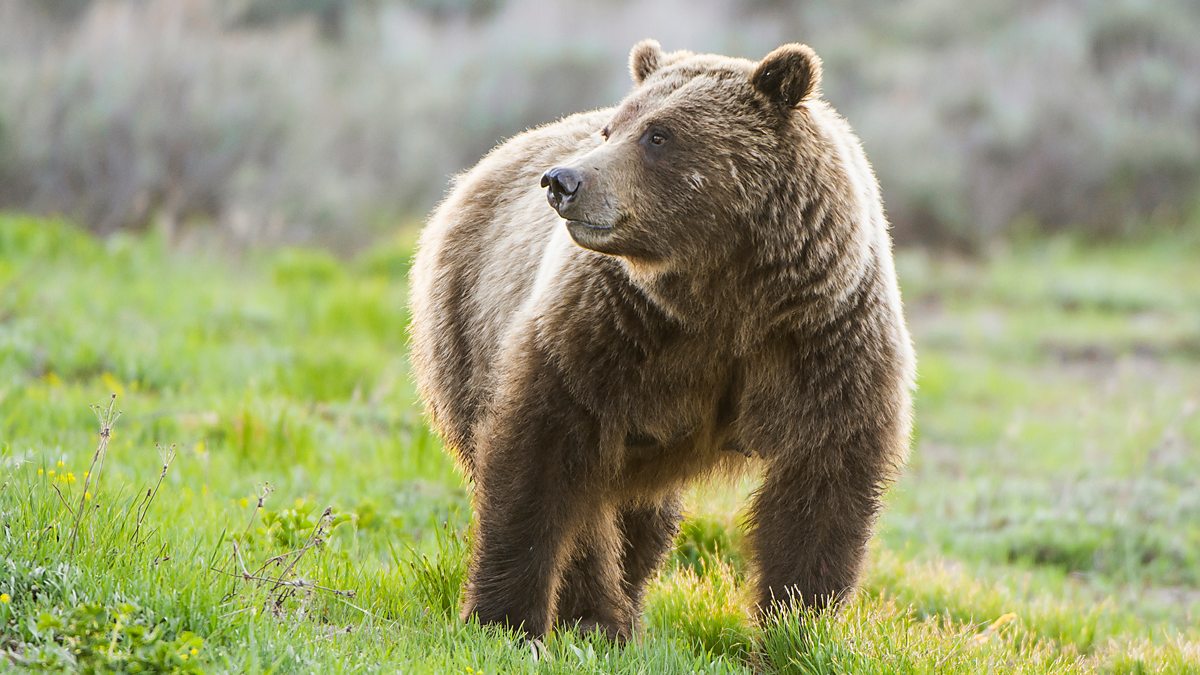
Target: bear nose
{"points": [[564, 183]]}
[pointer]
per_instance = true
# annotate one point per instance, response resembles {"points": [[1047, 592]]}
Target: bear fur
{"points": [[716, 291]]}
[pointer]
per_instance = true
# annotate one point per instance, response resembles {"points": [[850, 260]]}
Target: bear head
{"points": [[702, 148]]}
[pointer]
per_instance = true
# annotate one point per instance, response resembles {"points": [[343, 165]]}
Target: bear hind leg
{"points": [[605, 584], [648, 534], [591, 594]]}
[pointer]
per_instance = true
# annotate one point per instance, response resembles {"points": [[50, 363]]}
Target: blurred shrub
{"points": [[330, 119], [293, 267], [1044, 115]]}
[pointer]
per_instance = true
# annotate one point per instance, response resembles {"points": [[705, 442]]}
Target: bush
{"points": [[330, 120]]}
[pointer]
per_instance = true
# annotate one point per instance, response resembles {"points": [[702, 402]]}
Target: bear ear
{"points": [[789, 75], [645, 58]]}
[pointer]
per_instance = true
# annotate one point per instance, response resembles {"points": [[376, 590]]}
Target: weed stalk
{"points": [[107, 417]]}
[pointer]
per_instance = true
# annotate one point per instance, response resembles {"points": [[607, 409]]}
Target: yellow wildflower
{"points": [[113, 384], [61, 464], [41, 472], [50, 472], [245, 501], [1004, 619], [87, 496], [195, 651], [5, 598]]}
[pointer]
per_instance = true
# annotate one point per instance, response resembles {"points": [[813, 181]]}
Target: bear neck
{"points": [[794, 284]]}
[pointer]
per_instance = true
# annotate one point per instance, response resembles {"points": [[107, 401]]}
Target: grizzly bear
{"points": [[710, 287]]}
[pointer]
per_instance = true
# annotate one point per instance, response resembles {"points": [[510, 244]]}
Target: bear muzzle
{"points": [[591, 218], [563, 185]]}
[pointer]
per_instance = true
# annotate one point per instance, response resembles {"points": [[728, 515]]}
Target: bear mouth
{"points": [[596, 227], [592, 236]]}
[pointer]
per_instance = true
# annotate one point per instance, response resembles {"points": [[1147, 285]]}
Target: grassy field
{"points": [[1049, 520]]}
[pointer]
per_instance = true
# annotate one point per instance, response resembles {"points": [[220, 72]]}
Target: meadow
{"points": [[262, 493]]}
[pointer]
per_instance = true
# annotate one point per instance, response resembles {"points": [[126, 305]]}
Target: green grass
{"points": [[1049, 520]]}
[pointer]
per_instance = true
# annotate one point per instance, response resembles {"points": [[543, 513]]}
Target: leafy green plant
{"points": [[93, 636], [437, 580]]}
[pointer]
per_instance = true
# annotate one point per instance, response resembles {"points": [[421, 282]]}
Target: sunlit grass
{"points": [[1046, 523]]}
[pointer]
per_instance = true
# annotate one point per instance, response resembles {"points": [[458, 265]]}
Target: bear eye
{"points": [[654, 141], [604, 133]]}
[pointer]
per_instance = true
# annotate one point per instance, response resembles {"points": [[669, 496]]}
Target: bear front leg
{"points": [[519, 555], [810, 524], [537, 488]]}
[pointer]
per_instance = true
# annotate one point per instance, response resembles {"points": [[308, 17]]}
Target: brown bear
{"points": [[711, 286]]}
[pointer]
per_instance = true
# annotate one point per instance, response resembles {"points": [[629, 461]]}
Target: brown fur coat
{"points": [[713, 273]]}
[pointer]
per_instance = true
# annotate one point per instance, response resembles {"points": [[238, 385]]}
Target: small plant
{"points": [[143, 506], [107, 417], [278, 578], [292, 528], [263, 492], [437, 581]]}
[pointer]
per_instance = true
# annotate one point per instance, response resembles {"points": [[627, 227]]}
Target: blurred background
{"points": [[331, 120]]}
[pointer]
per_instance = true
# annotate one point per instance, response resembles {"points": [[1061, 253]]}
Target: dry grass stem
{"points": [[107, 417]]}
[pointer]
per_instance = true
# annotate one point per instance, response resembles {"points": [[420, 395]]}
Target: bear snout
{"points": [[564, 184]]}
